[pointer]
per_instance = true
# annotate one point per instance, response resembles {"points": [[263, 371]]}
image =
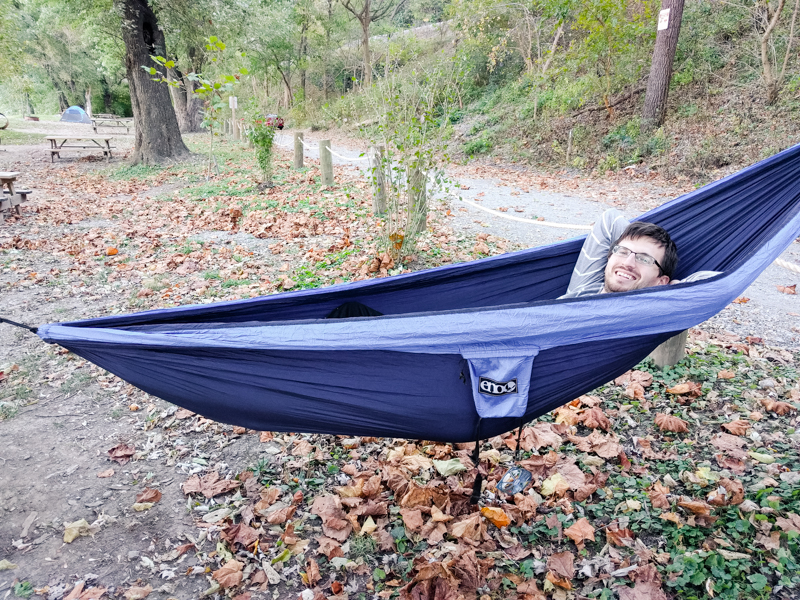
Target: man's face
{"points": [[624, 274]]}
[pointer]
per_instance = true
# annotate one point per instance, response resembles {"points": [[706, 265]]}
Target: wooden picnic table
{"points": [[59, 143], [111, 121], [11, 198]]}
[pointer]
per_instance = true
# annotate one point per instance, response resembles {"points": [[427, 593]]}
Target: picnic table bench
{"points": [[11, 198], [59, 143], [103, 120]]}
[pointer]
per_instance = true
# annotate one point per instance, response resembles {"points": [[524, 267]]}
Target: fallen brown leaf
{"points": [[312, 573], [595, 418], [230, 574], [241, 534], [334, 522], [472, 527], [670, 423], [412, 519], [690, 388], [658, 495], [209, 485], [635, 391], [329, 547], [138, 593], [580, 531], [122, 453], [695, 506], [787, 289], [738, 427], [671, 516], [778, 407], [617, 536], [148, 495], [276, 517], [563, 565], [729, 492], [605, 446]]}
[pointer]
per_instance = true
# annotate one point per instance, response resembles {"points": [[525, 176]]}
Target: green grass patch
{"points": [[14, 137]]}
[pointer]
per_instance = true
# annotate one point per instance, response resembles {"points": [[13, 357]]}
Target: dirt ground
{"points": [[80, 444]]}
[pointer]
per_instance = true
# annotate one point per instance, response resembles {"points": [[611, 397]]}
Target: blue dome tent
{"points": [[75, 114]]}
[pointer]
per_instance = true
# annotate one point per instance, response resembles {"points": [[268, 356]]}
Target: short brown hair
{"points": [[638, 229]]}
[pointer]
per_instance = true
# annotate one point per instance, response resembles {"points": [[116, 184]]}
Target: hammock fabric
{"points": [[462, 352]]}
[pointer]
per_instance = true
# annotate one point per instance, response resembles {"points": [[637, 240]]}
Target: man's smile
{"points": [[624, 274]]}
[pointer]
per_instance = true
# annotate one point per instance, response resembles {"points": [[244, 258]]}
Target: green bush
{"points": [[478, 146]]}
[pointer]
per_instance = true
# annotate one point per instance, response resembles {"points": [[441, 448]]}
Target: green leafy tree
{"points": [[213, 90], [614, 30]]}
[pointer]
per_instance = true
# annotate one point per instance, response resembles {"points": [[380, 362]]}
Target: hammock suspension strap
{"points": [[519, 438], [21, 325], [476, 459]]}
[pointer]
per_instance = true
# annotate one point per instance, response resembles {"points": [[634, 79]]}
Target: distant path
{"points": [[769, 314]]}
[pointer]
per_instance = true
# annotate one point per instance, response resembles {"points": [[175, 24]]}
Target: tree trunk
{"points": [[106, 97], [328, 26], [187, 104], [303, 51], [27, 107], [194, 108], [63, 102], [367, 81], [157, 136], [178, 95], [287, 87], [772, 84], [655, 100], [88, 97]]}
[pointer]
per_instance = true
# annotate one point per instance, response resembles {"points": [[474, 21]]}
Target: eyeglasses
{"points": [[640, 257]]}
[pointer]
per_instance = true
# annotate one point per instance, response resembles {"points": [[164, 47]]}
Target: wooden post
{"points": [[326, 162], [671, 352], [378, 180], [569, 145], [234, 124], [298, 150]]}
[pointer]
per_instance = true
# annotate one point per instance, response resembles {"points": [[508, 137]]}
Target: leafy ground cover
{"points": [[680, 483]]}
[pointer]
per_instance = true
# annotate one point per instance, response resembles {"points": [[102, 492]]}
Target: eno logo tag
{"points": [[497, 388]]}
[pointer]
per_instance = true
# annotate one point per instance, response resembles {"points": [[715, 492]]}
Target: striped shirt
{"points": [[588, 276]]}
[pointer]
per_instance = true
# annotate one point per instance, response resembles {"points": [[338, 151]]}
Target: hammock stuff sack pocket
{"points": [[422, 369]]}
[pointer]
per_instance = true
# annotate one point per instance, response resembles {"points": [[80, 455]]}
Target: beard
{"points": [[614, 283]]}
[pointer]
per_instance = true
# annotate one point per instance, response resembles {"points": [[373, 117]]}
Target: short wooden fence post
{"points": [[378, 180], [298, 150], [671, 352], [326, 162]]}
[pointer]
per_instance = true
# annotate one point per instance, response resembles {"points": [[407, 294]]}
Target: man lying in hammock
{"points": [[620, 256]]}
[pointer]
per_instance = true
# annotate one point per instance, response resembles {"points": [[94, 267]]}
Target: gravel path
{"points": [[769, 314]]}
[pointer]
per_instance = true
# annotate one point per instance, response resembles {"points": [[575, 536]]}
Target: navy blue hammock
{"points": [[463, 352]]}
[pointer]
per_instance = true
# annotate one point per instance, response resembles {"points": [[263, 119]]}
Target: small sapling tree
{"points": [[412, 125], [262, 135], [212, 90]]}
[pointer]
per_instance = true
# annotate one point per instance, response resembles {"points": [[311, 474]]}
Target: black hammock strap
{"points": [[15, 324]]}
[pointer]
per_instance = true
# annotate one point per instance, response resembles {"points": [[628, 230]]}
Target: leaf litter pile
{"points": [[682, 483]]}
